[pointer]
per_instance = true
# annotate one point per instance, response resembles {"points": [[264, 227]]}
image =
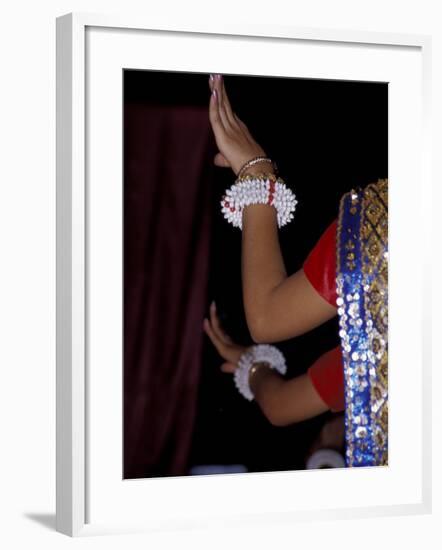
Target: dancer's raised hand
{"points": [[235, 143]]}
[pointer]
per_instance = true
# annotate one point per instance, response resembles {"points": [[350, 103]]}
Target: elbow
{"points": [[276, 419], [257, 329], [258, 337], [272, 411]]}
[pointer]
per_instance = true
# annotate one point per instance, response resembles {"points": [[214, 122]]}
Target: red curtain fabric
{"points": [[168, 156]]}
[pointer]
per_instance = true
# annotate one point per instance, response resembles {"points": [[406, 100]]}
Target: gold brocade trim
{"points": [[362, 290], [374, 235]]}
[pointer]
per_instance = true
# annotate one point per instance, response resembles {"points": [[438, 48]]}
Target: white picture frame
{"points": [[83, 490]]}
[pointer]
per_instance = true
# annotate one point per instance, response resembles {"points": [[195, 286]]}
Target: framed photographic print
{"points": [[240, 222]]}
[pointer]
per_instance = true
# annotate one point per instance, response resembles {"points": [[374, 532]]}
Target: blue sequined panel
{"points": [[362, 289]]}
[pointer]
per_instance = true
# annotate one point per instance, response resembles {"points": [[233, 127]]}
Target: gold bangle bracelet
{"points": [[259, 176], [252, 162], [255, 367]]}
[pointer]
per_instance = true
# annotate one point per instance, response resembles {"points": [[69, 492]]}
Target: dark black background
{"points": [[326, 137]]}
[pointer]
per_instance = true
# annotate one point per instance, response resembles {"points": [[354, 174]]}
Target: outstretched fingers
{"points": [[214, 113], [222, 342], [228, 367], [226, 105], [217, 325], [216, 341], [218, 86], [231, 117], [241, 124]]}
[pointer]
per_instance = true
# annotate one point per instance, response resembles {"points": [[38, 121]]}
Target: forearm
{"points": [[266, 384], [263, 268], [282, 401], [277, 306]]}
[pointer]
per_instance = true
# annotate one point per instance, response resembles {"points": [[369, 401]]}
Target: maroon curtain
{"points": [[168, 152]]}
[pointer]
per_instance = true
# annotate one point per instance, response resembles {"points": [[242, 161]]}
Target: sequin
{"points": [[353, 310], [360, 369], [361, 431], [363, 318]]}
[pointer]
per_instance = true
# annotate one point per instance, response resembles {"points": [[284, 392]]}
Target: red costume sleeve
{"points": [[327, 376], [327, 373], [320, 265]]}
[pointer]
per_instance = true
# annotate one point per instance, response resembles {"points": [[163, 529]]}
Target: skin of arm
{"points": [[282, 401], [285, 402], [277, 306]]}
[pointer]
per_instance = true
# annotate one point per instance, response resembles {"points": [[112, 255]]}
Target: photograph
{"points": [[255, 273]]}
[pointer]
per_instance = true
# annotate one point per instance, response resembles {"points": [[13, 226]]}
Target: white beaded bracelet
{"points": [[262, 353], [260, 189]]}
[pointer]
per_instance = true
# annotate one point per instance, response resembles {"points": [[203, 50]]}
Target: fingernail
{"points": [[213, 304], [215, 94], [211, 77]]}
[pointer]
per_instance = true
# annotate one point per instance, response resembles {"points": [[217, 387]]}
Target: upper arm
{"points": [[292, 308], [302, 301]]}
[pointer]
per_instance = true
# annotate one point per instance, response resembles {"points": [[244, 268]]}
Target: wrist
{"points": [[259, 214], [261, 190], [263, 354], [257, 164], [265, 383], [258, 168], [255, 372]]}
